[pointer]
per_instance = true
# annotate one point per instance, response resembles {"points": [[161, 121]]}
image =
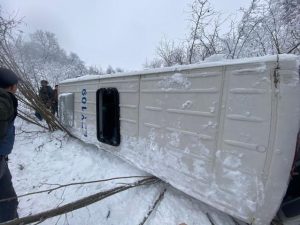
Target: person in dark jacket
{"points": [[46, 96], [55, 101], [8, 113]]}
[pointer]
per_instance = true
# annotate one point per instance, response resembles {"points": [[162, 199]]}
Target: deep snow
{"points": [[41, 159]]}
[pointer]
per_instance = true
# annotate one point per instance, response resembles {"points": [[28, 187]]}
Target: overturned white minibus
{"points": [[223, 132]]}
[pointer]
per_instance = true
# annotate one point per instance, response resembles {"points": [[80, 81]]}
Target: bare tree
{"points": [[119, 70], [110, 70], [41, 57], [204, 34], [202, 42], [94, 70], [267, 27], [155, 63], [240, 35], [282, 25], [170, 53]]}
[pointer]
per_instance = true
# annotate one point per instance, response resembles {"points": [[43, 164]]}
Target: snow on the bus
{"points": [[42, 160], [177, 81], [213, 61]]}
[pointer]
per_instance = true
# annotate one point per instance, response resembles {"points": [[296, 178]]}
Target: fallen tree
{"points": [[39, 217]]}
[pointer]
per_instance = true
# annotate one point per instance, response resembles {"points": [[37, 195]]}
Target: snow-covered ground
{"points": [[41, 160]]}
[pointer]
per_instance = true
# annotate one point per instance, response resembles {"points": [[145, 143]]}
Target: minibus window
{"points": [[108, 116], [66, 109]]}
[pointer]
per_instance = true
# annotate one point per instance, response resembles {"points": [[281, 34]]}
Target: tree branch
{"points": [[158, 200], [70, 184], [293, 48], [79, 203]]}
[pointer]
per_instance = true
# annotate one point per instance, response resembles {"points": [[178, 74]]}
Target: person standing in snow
{"points": [[55, 101], [46, 94], [8, 113]]}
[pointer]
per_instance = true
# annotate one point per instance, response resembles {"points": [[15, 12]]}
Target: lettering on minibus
{"points": [[83, 110]]}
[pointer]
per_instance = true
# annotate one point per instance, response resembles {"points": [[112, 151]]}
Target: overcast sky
{"points": [[121, 33]]}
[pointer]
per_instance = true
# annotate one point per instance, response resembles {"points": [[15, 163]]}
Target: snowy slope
{"points": [[41, 159]]}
